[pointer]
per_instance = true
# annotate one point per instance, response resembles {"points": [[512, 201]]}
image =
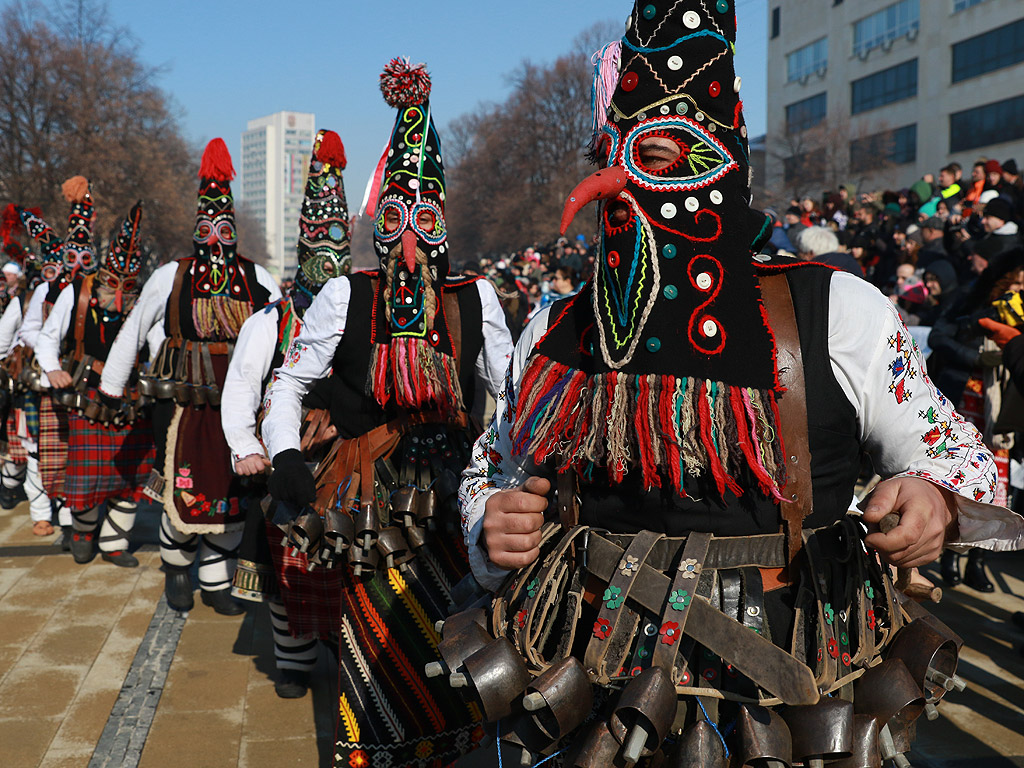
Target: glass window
{"points": [[889, 147], [999, 48], [885, 87], [806, 114], [988, 124], [776, 22], [807, 60], [963, 5], [891, 22], [806, 168]]}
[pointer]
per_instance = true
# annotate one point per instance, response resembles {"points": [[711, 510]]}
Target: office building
{"points": [[275, 158], [878, 92]]}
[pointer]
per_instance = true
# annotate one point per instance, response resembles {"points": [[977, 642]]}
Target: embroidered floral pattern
{"points": [[521, 619], [833, 648], [830, 614], [869, 590]]}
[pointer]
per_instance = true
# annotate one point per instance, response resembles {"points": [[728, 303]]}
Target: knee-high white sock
{"points": [[177, 549], [12, 475], [86, 520], [38, 502], [217, 558]]}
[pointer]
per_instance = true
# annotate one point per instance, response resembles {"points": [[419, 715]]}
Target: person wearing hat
{"points": [[200, 302], [1000, 225], [110, 455], [403, 347], [933, 230], [304, 602], [12, 452], [699, 482]]}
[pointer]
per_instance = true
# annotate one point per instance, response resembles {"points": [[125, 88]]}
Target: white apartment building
{"points": [[275, 158], [879, 92]]}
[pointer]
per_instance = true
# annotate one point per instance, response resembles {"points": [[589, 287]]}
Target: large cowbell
{"points": [[674, 290], [409, 229]]}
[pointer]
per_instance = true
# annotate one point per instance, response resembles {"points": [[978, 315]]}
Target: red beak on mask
{"points": [[603, 185], [409, 249], [118, 295]]}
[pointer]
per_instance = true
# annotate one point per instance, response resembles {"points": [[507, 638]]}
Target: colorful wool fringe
{"points": [[416, 375], [219, 317], [662, 425]]}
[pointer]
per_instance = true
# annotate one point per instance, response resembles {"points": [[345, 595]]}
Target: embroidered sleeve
{"points": [[308, 359], [493, 465], [494, 357], [907, 425], [243, 384], [48, 342], [9, 325]]}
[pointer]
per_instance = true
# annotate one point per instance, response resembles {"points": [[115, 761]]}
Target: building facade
{"points": [[876, 93], [275, 157]]}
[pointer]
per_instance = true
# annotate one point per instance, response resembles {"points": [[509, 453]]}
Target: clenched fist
{"points": [[927, 520], [512, 523]]}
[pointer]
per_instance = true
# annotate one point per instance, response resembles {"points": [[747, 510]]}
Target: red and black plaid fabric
{"points": [[15, 450], [106, 461], [312, 598], [53, 446]]}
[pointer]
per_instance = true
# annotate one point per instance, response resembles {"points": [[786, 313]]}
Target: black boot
{"points": [[950, 567], [122, 558], [178, 588], [83, 547], [65, 540], [222, 602], [291, 683], [1018, 619], [12, 497], [974, 573]]}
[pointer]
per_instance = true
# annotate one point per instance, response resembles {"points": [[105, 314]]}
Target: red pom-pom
{"points": [[16, 252], [10, 223], [216, 163], [75, 189], [404, 85], [332, 151]]}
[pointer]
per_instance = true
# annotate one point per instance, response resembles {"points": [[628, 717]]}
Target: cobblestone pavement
{"points": [[96, 671]]}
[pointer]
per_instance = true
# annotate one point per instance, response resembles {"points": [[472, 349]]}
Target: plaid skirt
{"points": [[15, 450], [105, 462], [53, 446], [312, 598]]}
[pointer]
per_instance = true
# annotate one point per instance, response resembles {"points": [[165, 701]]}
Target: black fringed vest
{"points": [[834, 444], [260, 297], [353, 411]]}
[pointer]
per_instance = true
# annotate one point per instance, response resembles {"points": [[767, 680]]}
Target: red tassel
{"points": [[216, 164], [10, 223], [75, 189], [332, 151], [747, 444]]}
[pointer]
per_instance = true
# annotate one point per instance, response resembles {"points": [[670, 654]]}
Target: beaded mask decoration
{"points": [[324, 250], [665, 364], [413, 359], [79, 255], [118, 279], [51, 246], [221, 299]]}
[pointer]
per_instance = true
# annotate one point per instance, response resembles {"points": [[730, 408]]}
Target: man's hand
{"points": [[253, 464], [59, 379], [512, 523], [927, 520]]}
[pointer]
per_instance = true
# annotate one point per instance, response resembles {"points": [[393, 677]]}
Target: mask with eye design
{"points": [[117, 283], [221, 298], [50, 263], [323, 247], [671, 327], [79, 255], [413, 361]]}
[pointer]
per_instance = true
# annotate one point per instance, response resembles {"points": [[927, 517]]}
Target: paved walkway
{"points": [[96, 671]]}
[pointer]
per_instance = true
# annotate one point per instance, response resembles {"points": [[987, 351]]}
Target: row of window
{"points": [[886, 25], [983, 126]]}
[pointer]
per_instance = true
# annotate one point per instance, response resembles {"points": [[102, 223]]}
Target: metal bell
{"points": [[498, 676], [561, 698], [930, 650], [644, 713], [698, 747], [763, 735], [821, 731], [427, 507], [340, 530], [864, 750], [599, 749], [393, 547], [306, 531], [456, 648], [403, 505], [887, 691]]}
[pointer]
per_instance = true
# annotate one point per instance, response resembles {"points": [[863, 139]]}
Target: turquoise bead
{"points": [[653, 344], [722, 5], [669, 251], [649, 12], [670, 292]]}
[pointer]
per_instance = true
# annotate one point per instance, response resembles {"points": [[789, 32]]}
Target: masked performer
{"points": [[405, 344], [200, 302], [303, 602], [39, 427], [689, 406], [109, 454]]}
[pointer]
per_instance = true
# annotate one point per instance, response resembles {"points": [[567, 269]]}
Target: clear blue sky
{"points": [[228, 61]]}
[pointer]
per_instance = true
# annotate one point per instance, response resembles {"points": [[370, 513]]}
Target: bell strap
{"points": [[81, 311], [680, 598], [798, 503]]}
